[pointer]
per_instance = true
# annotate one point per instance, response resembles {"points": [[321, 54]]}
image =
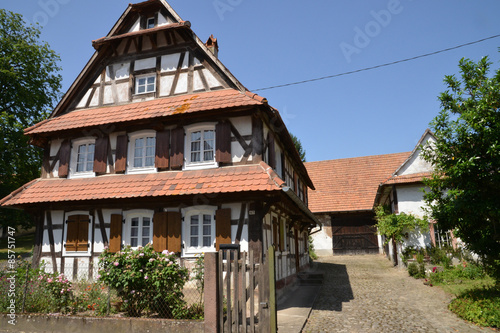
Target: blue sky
{"points": [[268, 43]]}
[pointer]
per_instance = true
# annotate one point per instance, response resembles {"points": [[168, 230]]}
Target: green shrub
{"points": [[416, 270], [146, 280], [480, 306]]}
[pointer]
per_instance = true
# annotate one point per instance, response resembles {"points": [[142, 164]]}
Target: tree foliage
{"points": [[394, 226], [30, 83], [298, 146], [464, 190]]}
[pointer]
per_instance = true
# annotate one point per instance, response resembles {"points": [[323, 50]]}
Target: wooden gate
{"points": [[246, 292], [354, 239]]}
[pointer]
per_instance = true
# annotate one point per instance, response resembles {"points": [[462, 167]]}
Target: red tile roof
{"points": [[158, 108], [247, 178], [407, 179], [350, 184]]}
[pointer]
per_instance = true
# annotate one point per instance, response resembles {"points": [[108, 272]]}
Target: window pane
{"points": [[146, 221], [194, 241], [134, 232], [139, 143], [135, 221], [207, 230], [137, 162], [209, 135], [195, 136], [194, 219], [207, 241], [145, 232], [142, 81], [208, 155], [133, 242], [145, 241], [91, 148]]}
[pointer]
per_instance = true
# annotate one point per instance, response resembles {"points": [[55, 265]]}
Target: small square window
{"points": [[151, 23], [145, 84]]}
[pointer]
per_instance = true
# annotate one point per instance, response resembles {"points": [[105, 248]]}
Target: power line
{"points": [[377, 66]]}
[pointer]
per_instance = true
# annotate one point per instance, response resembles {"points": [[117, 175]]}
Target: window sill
{"points": [[200, 165], [141, 170], [76, 254], [191, 253], [82, 175]]}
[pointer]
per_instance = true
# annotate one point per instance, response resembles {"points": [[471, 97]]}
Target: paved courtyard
{"points": [[365, 293]]}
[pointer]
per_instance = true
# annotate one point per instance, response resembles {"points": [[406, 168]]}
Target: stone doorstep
{"points": [[310, 278]]}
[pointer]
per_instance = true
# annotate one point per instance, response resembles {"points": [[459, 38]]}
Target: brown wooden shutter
{"points": [[295, 183], [223, 142], [72, 233], [162, 149], [115, 233], [121, 153], [77, 234], [222, 227], [101, 155], [160, 231], [177, 149], [64, 155], [282, 236], [83, 233], [271, 150], [174, 242], [275, 233]]}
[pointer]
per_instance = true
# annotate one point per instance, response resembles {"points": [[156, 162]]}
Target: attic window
{"points": [[150, 23], [145, 84]]}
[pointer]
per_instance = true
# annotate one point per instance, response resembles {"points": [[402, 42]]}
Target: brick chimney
{"points": [[212, 45]]}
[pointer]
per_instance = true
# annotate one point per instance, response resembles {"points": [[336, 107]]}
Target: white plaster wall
{"points": [[162, 20], [410, 200], [83, 101], [182, 84], [166, 85], [197, 83], [169, 62], [211, 80], [145, 64], [417, 164]]}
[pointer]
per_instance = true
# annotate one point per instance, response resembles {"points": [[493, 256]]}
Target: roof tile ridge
{"points": [[272, 174], [256, 97]]}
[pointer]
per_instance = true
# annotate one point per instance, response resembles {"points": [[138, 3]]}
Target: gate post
{"points": [[211, 291]]}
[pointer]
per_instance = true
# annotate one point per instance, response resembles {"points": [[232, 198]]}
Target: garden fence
{"points": [[42, 290]]}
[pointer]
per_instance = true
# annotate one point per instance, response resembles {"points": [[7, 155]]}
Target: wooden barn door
{"points": [[354, 239]]}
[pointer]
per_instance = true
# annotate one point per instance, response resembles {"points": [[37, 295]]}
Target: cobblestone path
{"points": [[365, 293]]}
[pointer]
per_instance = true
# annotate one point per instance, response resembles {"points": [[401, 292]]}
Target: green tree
{"points": [[394, 226], [30, 83], [464, 189], [298, 146]]}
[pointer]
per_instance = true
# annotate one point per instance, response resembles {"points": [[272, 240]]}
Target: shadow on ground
{"points": [[336, 288]]}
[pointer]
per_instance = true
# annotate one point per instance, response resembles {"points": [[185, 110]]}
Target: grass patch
{"points": [[480, 306], [477, 299], [24, 245]]}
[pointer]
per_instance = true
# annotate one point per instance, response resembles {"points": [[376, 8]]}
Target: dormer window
{"points": [[145, 84], [151, 22]]}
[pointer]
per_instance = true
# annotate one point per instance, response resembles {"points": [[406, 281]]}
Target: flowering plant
{"points": [[145, 280]]}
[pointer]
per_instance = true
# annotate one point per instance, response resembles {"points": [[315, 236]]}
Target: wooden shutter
{"points": [[282, 236], [174, 232], [115, 233], [223, 142], [295, 183], [162, 149], [83, 233], [283, 167], [72, 233], [64, 155], [121, 153], [101, 154], [77, 234], [271, 150], [160, 232], [222, 227], [177, 149], [275, 233]]}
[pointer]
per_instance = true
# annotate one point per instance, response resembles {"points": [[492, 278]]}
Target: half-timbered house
{"points": [[157, 142]]}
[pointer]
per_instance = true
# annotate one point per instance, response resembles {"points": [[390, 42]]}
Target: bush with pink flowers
{"points": [[147, 281]]}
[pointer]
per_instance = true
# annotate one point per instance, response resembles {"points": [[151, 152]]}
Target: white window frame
{"points": [[187, 213], [149, 19], [75, 144], [145, 76], [190, 165], [131, 152], [128, 226], [65, 234]]}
